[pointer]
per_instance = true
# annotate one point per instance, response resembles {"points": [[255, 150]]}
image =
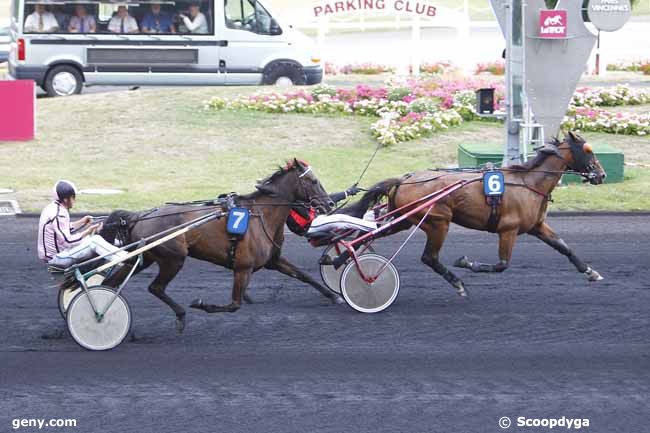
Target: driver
{"points": [[305, 222], [57, 245]]}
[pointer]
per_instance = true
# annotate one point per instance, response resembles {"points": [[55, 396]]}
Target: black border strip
{"points": [[94, 42]]}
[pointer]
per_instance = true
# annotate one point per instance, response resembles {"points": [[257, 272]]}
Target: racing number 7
{"points": [[239, 216]]}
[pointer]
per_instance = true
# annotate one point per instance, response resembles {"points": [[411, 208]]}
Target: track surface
{"points": [[537, 341]]}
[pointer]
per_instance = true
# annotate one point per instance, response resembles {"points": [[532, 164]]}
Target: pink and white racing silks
{"points": [[54, 232]]}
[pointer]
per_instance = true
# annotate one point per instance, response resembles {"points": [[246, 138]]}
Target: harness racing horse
{"points": [[259, 248], [522, 207]]}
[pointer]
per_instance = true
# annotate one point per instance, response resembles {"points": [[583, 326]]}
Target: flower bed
{"points": [[357, 68], [610, 97], [633, 66], [437, 68], [412, 108], [599, 120], [494, 68]]}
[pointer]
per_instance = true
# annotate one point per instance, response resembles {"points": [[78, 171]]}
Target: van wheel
{"points": [[285, 74], [63, 80]]}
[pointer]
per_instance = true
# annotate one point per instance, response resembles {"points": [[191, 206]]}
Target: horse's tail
{"points": [[118, 226], [371, 197]]}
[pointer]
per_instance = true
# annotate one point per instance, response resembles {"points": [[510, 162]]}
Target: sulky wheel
{"points": [[67, 294], [370, 297], [95, 333], [332, 276]]}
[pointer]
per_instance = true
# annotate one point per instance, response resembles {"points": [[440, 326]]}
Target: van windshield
{"points": [[107, 16], [251, 16]]}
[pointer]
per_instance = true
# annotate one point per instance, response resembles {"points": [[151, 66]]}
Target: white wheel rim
{"points": [[284, 82], [370, 298], [66, 296], [99, 335], [332, 276], [64, 83]]}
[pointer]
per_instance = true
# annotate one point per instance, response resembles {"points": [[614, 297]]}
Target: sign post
{"points": [[546, 54]]}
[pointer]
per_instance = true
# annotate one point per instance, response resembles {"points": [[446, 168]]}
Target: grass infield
{"points": [[160, 145]]}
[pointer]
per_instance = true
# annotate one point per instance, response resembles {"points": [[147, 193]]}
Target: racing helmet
{"points": [[64, 189]]}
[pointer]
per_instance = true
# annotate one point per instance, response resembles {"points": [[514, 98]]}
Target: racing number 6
{"points": [[494, 183]]}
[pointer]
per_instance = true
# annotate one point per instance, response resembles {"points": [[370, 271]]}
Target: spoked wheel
{"points": [[67, 294], [370, 297], [332, 276], [99, 333]]}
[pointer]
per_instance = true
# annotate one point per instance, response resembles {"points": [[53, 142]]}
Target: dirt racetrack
{"points": [[537, 341]]}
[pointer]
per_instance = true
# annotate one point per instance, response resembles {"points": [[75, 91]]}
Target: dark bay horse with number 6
{"points": [[522, 208], [260, 247]]}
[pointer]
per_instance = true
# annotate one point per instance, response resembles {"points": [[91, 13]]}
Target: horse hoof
{"points": [[461, 291], [248, 299], [180, 324], [463, 262], [197, 303], [337, 300], [593, 275]]}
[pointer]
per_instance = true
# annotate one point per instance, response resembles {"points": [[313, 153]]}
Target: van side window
{"points": [[251, 16]]}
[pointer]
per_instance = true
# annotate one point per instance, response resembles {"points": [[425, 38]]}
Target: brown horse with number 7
{"points": [[522, 207]]}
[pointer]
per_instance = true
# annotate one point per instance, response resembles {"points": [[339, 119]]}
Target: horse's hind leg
{"points": [[548, 236], [241, 279], [167, 270], [436, 234], [506, 244], [282, 265]]}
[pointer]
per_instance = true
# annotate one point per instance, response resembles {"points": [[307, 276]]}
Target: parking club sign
{"points": [[552, 23]]}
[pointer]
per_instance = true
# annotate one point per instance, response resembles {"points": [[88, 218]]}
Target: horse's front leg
{"points": [[241, 279], [283, 266], [548, 236], [506, 244]]}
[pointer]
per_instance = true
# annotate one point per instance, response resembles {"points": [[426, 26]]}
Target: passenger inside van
{"points": [[41, 21], [122, 22], [81, 22], [157, 21], [195, 22]]}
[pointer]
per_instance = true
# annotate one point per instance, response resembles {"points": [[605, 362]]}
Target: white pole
{"points": [[320, 41], [416, 37]]}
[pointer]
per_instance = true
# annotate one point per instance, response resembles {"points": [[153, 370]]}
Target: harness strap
{"points": [[495, 215]]}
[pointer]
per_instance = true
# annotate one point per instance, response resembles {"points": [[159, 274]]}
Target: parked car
{"points": [[5, 41]]}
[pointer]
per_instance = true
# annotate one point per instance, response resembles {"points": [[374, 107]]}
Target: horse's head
{"points": [[583, 160], [296, 182]]}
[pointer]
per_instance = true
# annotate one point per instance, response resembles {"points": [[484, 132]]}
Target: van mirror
{"points": [[275, 28]]}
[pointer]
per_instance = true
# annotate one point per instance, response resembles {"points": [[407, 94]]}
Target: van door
{"points": [[253, 37]]}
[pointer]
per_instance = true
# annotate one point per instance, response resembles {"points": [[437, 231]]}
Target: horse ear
{"points": [[297, 163], [575, 137]]}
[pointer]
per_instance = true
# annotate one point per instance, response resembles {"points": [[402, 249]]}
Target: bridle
{"points": [[588, 171], [311, 201]]}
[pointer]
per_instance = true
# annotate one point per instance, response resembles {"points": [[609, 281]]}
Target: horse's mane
{"points": [[269, 180], [540, 156]]}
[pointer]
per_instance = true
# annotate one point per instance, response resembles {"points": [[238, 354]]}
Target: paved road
{"points": [[537, 341]]}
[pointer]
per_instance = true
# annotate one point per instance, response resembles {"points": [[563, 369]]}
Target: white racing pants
{"points": [[90, 246], [328, 223]]}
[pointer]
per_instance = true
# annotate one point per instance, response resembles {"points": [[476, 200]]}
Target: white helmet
{"points": [[64, 189]]}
